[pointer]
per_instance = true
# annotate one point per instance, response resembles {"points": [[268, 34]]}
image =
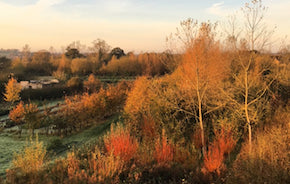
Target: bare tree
{"points": [[100, 48], [256, 29], [250, 81]]}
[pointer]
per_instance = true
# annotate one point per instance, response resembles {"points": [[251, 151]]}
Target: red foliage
{"points": [[121, 143], [213, 159], [225, 140], [222, 145], [163, 150]]}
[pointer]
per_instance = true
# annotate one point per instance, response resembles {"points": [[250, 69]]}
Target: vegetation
{"points": [[12, 90], [213, 113]]}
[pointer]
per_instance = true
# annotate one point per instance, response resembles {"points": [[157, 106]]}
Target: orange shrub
{"points": [[213, 159], [119, 142], [225, 140], [163, 150], [223, 144]]}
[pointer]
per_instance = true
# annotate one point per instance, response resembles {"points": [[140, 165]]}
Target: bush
{"points": [[269, 160], [54, 144], [119, 142], [28, 161], [163, 150], [218, 149]]}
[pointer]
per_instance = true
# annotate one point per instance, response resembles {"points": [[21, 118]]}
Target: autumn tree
{"points": [[201, 71], [17, 115], [40, 63], [31, 158], [12, 91], [64, 65], [81, 66]]}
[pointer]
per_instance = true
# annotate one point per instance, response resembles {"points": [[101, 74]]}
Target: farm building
{"points": [[38, 84]]}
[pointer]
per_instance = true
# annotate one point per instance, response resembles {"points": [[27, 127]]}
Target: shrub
{"points": [[269, 159], [97, 168], [119, 142], [106, 166], [219, 148], [31, 158], [163, 150], [213, 159], [225, 141]]}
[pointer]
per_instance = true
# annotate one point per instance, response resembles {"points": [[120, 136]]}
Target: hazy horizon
{"points": [[133, 25]]}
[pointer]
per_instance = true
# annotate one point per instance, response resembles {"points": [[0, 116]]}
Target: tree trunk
{"points": [[246, 111], [201, 126], [200, 114]]}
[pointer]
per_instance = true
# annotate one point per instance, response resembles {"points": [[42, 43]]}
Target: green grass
{"points": [[10, 143]]}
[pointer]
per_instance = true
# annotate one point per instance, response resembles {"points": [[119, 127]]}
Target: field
{"points": [[11, 143]]}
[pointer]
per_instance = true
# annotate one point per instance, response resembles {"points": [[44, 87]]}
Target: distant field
{"points": [[10, 143]]}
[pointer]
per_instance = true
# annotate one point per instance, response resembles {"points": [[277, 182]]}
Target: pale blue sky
{"points": [[134, 25]]}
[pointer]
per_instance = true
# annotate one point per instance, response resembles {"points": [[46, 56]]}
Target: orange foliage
{"points": [[213, 159], [163, 150], [81, 110], [203, 63], [121, 143], [225, 140], [17, 113], [222, 145]]}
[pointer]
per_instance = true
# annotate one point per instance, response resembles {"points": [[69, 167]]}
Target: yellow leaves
{"points": [[100, 167], [12, 90], [31, 108], [32, 157], [137, 97]]}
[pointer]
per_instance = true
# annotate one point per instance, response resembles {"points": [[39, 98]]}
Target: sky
{"points": [[133, 25]]}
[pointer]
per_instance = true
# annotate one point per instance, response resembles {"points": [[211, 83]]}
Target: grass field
{"points": [[10, 143]]}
